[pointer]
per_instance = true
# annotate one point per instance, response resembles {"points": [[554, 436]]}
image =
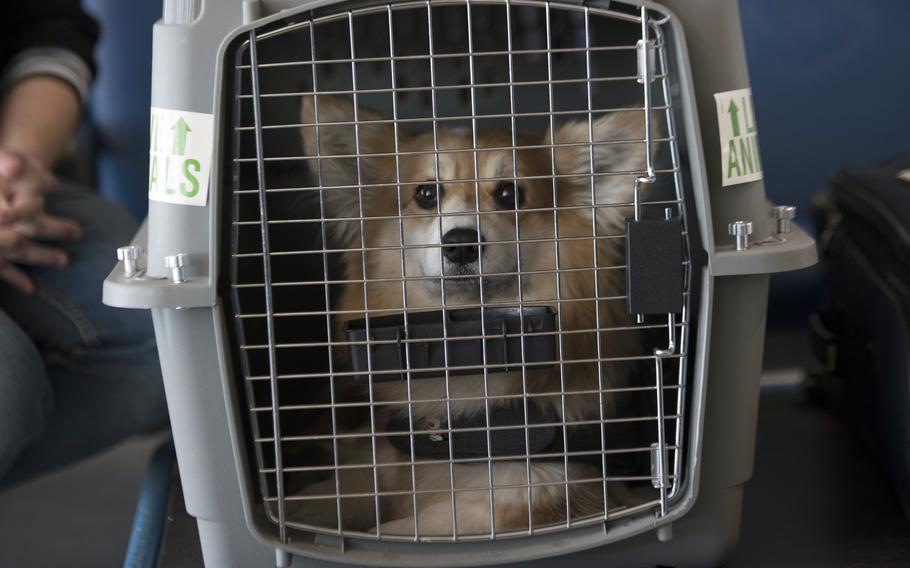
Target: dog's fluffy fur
{"points": [[423, 264]]}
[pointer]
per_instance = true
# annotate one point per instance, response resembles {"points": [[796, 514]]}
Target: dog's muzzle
{"points": [[462, 246]]}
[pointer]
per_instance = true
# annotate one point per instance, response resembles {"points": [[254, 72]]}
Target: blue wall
{"points": [[831, 84], [121, 98]]}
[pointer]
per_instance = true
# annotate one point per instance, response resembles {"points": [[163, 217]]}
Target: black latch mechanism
{"points": [[654, 266]]}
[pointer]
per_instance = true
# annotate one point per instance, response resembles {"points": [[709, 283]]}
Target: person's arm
{"points": [[46, 67], [38, 118]]}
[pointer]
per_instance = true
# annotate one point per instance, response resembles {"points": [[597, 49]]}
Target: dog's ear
{"points": [[618, 147], [339, 142], [339, 145]]}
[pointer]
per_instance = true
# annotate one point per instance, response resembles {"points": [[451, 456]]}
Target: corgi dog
{"points": [[451, 219]]}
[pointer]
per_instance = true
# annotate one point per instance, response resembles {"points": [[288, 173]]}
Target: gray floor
{"points": [[816, 499], [78, 517]]}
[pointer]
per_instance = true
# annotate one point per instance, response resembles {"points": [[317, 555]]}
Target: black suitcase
{"points": [[861, 332]]}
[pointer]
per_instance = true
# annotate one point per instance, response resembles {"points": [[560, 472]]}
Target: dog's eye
{"points": [[509, 195], [426, 196]]}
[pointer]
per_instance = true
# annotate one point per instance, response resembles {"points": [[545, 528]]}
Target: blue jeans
{"points": [[76, 376]]}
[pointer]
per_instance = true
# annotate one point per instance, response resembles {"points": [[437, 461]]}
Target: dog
{"points": [[454, 218]]}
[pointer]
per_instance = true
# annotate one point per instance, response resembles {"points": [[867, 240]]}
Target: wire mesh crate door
{"points": [[429, 268]]}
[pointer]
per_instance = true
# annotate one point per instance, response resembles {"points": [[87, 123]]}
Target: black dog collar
{"points": [[508, 436]]}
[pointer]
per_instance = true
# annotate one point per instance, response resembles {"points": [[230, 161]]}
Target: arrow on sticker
{"points": [[181, 128], [734, 119]]}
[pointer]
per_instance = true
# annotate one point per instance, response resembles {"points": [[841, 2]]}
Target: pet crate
{"points": [[455, 282]]}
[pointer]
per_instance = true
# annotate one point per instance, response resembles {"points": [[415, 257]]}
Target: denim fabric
{"points": [[76, 376]]}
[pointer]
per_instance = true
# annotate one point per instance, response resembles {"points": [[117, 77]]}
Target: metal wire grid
{"points": [[260, 318]]}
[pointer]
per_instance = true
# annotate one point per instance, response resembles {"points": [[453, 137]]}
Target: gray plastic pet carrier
{"points": [[458, 282]]}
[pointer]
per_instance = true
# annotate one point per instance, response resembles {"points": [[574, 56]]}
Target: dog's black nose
{"points": [[461, 245]]}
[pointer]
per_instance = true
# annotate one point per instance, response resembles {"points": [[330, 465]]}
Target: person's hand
{"points": [[23, 221]]}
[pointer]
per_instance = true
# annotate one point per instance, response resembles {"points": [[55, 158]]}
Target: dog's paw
{"points": [[399, 527]]}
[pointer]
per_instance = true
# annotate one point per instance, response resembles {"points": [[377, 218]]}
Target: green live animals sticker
{"points": [[740, 161], [180, 155]]}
